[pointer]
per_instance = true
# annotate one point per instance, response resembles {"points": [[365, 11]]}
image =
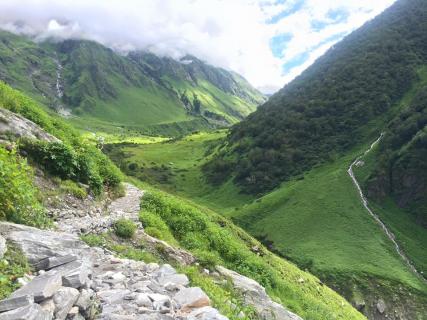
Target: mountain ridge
{"points": [[96, 82]]}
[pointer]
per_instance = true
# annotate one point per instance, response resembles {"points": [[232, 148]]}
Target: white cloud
{"points": [[315, 42], [232, 34]]}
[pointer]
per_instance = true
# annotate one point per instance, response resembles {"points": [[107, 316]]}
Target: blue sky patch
{"points": [[295, 62], [278, 43], [296, 7], [333, 17]]}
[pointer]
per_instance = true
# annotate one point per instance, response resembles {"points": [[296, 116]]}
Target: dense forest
{"points": [[326, 110], [401, 169]]}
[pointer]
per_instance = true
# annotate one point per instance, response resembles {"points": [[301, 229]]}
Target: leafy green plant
{"points": [[156, 227], [125, 228], [207, 259], [12, 266], [18, 196], [93, 240]]}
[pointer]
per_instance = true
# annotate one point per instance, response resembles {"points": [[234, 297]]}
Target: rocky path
{"points": [[75, 282], [364, 200], [101, 220]]}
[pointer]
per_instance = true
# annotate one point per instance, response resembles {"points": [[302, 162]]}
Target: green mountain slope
{"points": [[323, 112], [140, 91]]}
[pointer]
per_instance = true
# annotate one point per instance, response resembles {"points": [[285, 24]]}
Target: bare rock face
{"points": [[90, 283], [12, 124], [254, 294], [38, 245]]}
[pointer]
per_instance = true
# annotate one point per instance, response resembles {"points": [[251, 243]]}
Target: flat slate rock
{"points": [[31, 312], [15, 303], [41, 287], [53, 262], [39, 244]]}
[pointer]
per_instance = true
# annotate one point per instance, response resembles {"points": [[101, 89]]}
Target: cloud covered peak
{"points": [[236, 35]]}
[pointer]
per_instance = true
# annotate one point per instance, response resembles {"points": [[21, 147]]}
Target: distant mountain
{"points": [[139, 90]]}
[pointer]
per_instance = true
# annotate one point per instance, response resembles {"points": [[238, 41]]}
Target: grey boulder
{"points": [[64, 300], [255, 295], [75, 274], [206, 313], [194, 297]]}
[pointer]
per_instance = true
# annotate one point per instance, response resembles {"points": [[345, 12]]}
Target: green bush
{"points": [[125, 228], [18, 196], [77, 164], [13, 266], [156, 227], [207, 259]]}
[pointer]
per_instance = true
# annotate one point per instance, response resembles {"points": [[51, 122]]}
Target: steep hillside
{"points": [[401, 170], [140, 91], [324, 112]]}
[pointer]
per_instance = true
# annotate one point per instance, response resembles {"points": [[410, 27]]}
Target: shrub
{"points": [[57, 158], [156, 227], [80, 164], [18, 196], [125, 228], [93, 240], [207, 259], [73, 188]]}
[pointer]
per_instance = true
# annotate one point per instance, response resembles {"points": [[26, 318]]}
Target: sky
{"points": [[269, 42]]}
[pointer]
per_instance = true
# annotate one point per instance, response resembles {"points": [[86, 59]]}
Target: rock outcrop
{"points": [[15, 126], [254, 294]]}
